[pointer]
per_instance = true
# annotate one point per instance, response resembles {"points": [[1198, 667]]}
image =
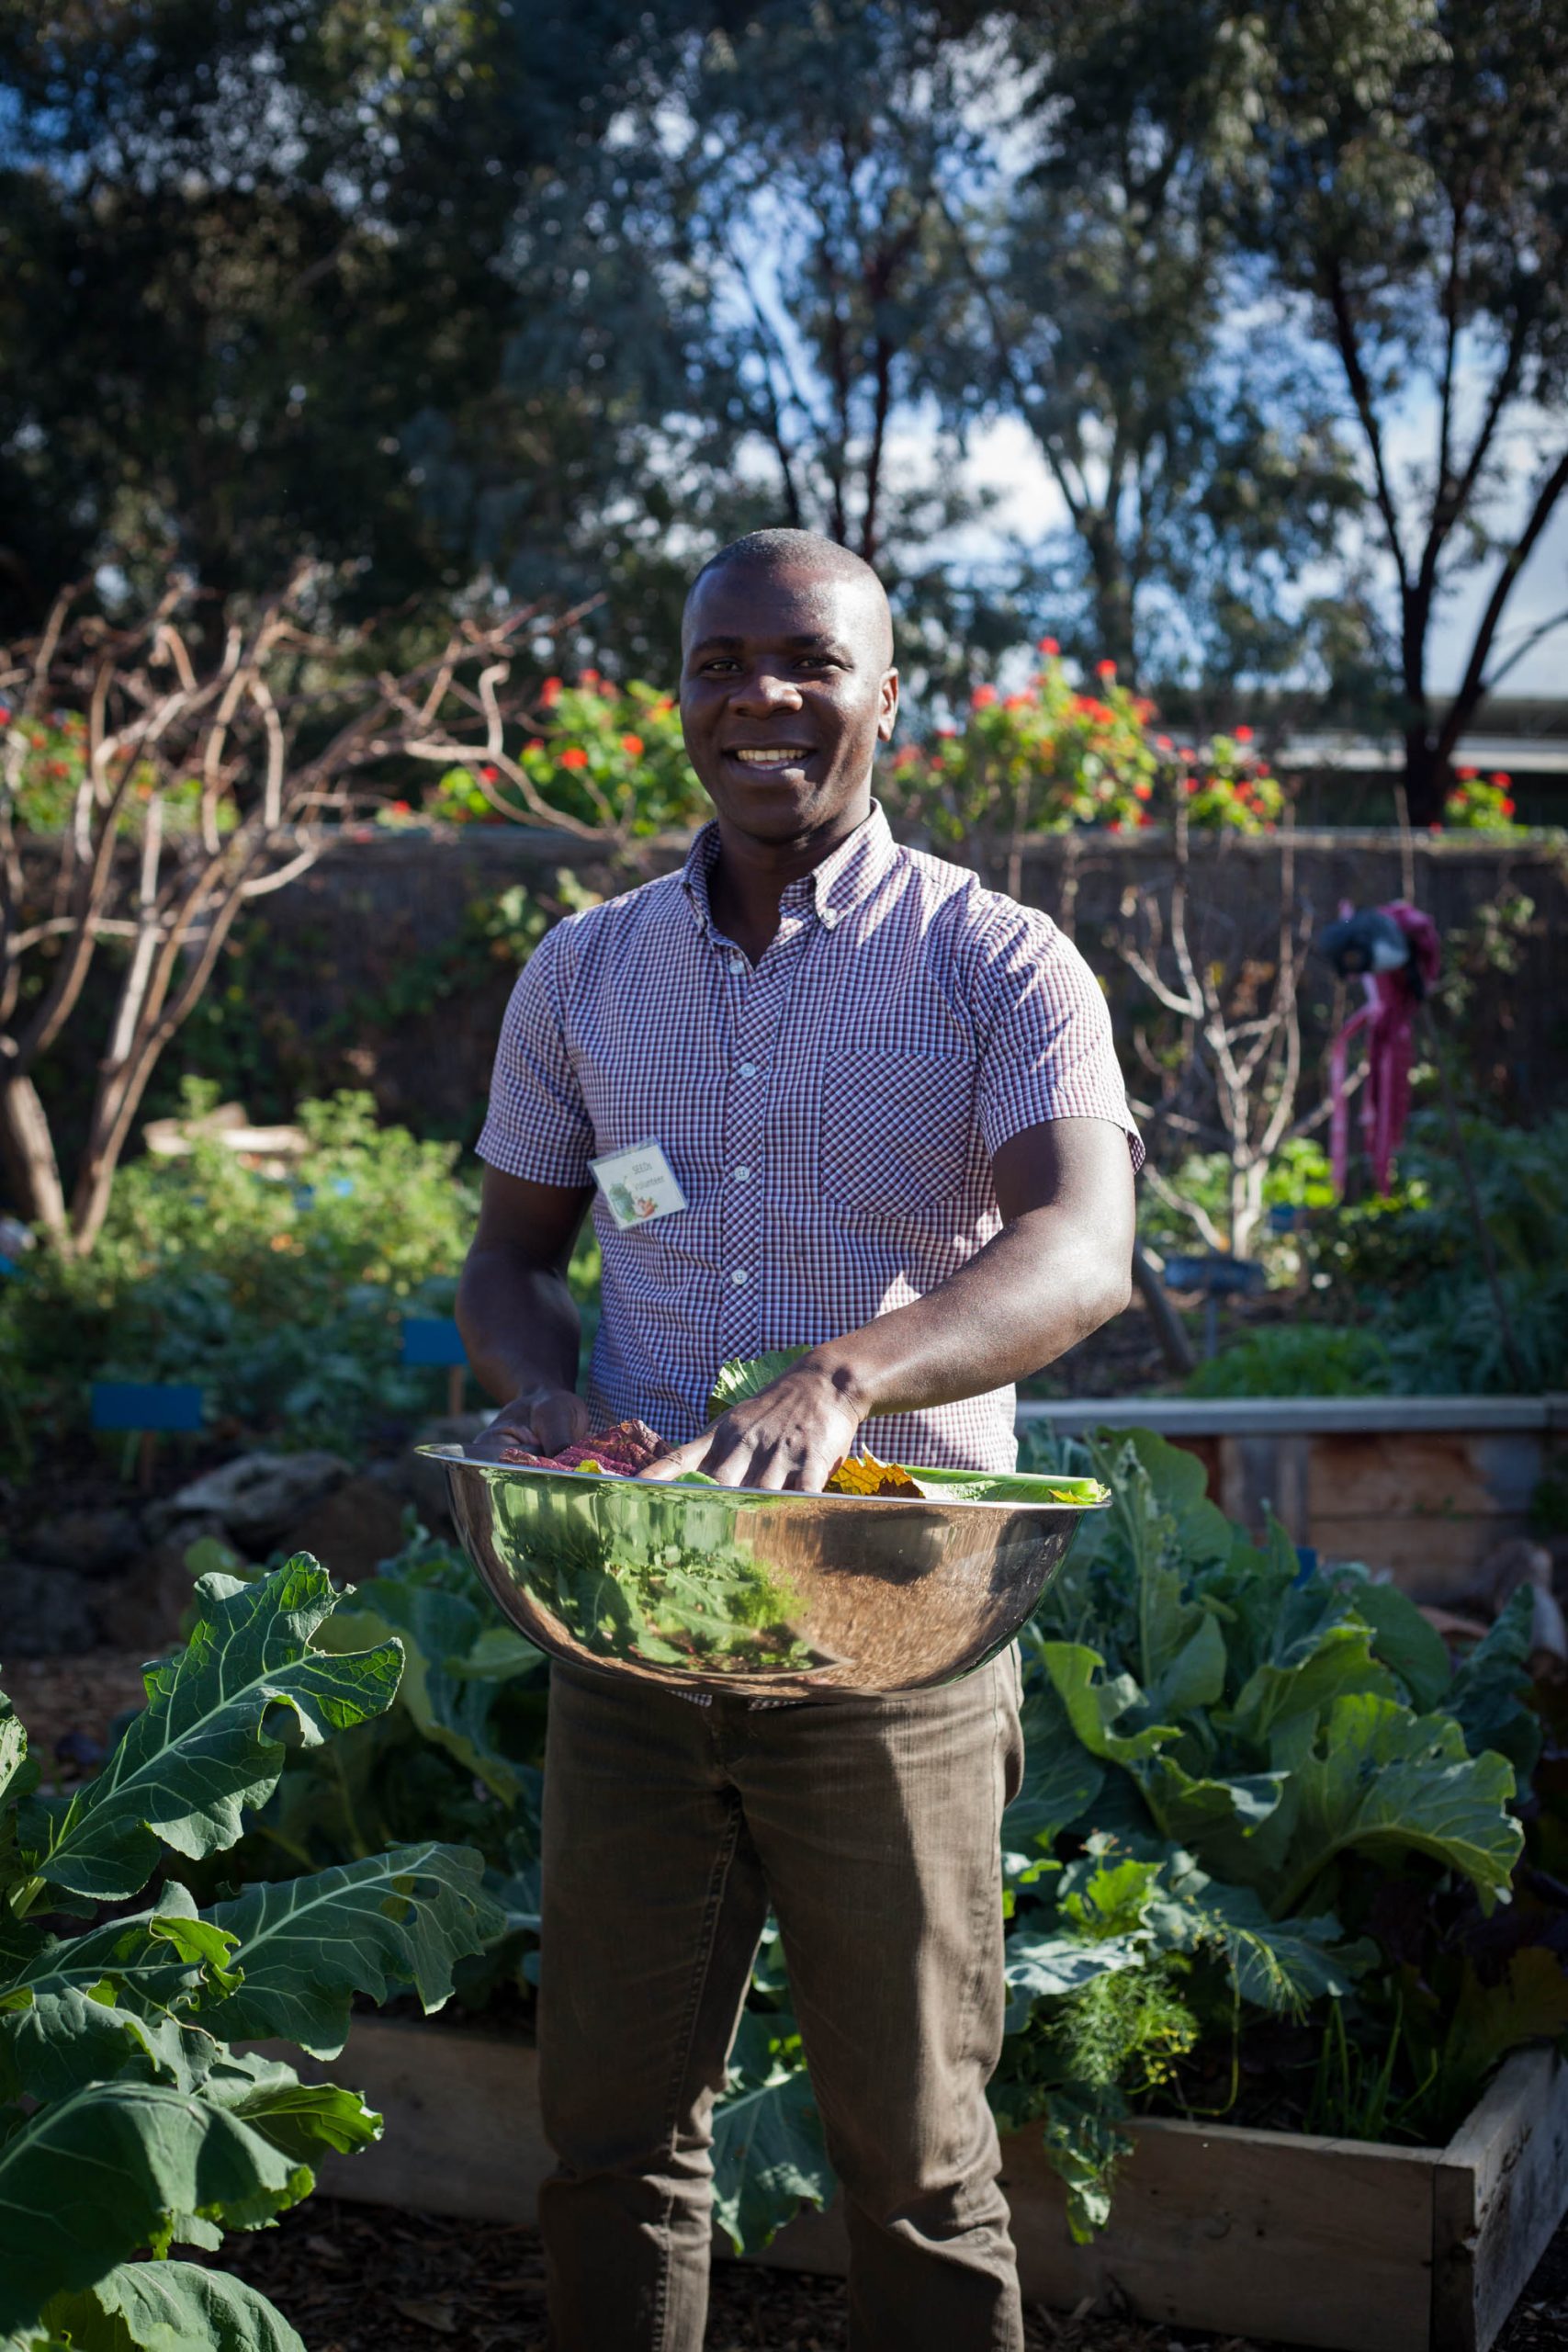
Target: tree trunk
{"points": [[1425, 776], [27, 1152]]}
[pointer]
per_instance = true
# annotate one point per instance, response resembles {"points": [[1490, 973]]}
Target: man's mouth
{"points": [[769, 758]]}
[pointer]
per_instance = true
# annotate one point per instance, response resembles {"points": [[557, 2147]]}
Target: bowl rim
{"points": [[453, 1454]]}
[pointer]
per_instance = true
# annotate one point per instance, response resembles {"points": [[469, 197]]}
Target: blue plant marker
{"points": [[435, 1340], [145, 1405], [432, 1339]]}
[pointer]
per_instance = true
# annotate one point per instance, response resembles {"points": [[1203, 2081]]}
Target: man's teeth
{"points": [[783, 755]]}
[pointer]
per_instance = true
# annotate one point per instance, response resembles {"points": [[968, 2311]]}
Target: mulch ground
{"points": [[364, 2278]]}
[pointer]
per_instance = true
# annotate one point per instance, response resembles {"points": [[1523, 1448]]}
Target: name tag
{"points": [[639, 1184]]}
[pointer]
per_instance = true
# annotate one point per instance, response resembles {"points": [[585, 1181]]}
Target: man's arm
{"points": [[517, 1315], [1059, 1268]]}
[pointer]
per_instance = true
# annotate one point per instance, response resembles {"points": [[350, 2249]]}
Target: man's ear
{"points": [[889, 711]]}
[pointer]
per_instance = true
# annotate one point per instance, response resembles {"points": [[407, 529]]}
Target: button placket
{"points": [[758, 1005]]}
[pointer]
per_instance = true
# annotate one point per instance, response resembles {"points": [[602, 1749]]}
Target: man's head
{"points": [[788, 648]]}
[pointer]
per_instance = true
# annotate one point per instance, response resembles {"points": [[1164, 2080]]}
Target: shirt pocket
{"points": [[896, 1131]]}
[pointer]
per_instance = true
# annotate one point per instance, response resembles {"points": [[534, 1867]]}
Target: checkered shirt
{"points": [[830, 1115]]}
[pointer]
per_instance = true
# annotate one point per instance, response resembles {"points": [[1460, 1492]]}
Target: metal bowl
{"points": [[769, 1595]]}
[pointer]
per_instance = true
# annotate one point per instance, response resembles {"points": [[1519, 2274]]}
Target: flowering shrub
{"points": [[1478, 806], [607, 755], [1227, 785], [53, 762], [1036, 761]]}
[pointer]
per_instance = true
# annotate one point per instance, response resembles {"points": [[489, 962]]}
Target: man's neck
{"points": [[748, 878]]}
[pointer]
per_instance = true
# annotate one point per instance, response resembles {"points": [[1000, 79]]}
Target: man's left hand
{"points": [[793, 1434]]}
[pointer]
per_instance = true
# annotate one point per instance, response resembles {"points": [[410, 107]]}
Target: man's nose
{"points": [[763, 690]]}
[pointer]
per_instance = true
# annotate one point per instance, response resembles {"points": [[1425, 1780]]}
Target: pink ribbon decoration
{"points": [[1388, 1016]]}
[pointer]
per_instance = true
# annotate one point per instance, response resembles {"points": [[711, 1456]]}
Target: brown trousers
{"points": [[871, 1828]]}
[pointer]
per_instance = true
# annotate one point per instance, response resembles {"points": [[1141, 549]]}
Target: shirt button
{"points": [[828, 920], [738, 1277], [748, 1070], [743, 1175]]}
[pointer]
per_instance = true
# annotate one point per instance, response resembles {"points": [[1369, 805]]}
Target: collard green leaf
{"points": [[1303, 1679], [169, 2307], [1044, 1967], [1095, 1704], [1215, 1815], [1008, 1486], [89, 2180], [202, 1750], [1085, 2140], [158, 1958], [301, 2119], [748, 1377], [390, 1923], [1489, 1691], [1386, 1782], [1406, 1642], [1061, 1779], [768, 2155], [439, 1632]]}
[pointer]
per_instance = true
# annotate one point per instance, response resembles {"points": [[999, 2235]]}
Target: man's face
{"points": [[786, 689]]}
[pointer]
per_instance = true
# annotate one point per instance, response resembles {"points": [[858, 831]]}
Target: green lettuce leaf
{"points": [[748, 1377]]}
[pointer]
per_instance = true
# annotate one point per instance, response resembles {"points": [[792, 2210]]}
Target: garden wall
{"points": [[361, 973]]}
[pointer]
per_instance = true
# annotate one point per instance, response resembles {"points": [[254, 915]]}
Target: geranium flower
{"points": [[1243, 734], [632, 746], [574, 756], [1143, 789], [1105, 669], [1501, 780], [487, 774], [549, 693], [1049, 646], [982, 697], [1017, 702], [589, 678]]}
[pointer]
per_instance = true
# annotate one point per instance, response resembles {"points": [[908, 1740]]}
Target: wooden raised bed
{"points": [[1336, 2244], [1421, 1487]]}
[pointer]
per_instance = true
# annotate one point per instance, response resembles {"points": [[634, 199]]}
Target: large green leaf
{"points": [[1095, 1704], [1489, 1691], [1061, 1779], [169, 2307], [155, 1959], [1307, 1675], [1042, 1967], [305, 1946], [200, 1751], [1406, 1640], [443, 1637], [1216, 1814], [1388, 1784], [742, 1378], [91, 2179], [767, 2156]]}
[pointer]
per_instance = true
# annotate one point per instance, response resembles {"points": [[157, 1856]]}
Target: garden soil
{"points": [[366, 2278]]}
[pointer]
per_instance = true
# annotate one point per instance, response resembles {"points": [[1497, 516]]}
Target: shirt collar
{"points": [[846, 876]]}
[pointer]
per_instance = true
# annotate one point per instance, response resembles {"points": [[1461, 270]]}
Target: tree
{"points": [[149, 796], [1196, 456], [1406, 183], [271, 283]]}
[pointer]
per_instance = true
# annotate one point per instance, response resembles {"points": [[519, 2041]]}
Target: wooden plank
{"points": [[1295, 1416], [1430, 1473], [1431, 1559], [1500, 2190]]}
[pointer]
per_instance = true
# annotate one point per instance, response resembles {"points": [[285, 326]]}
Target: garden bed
{"points": [[1342, 2245], [1422, 1487]]}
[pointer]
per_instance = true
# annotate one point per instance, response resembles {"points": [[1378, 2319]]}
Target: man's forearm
{"points": [[519, 1323], [1035, 1290]]}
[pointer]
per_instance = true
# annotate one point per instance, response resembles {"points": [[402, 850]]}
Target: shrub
{"points": [[607, 755]]}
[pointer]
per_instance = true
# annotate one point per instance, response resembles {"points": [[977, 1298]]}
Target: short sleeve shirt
{"points": [[829, 1115]]}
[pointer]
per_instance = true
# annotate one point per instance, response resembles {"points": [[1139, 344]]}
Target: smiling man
{"points": [[872, 1110]]}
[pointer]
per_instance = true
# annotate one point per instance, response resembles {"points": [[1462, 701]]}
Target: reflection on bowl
{"points": [[765, 1594]]}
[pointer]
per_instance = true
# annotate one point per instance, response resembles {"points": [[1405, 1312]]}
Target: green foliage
{"points": [[1296, 1360], [127, 2123], [604, 754], [283, 1299]]}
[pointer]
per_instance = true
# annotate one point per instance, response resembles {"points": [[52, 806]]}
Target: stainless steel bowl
{"points": [[783, 1596]]}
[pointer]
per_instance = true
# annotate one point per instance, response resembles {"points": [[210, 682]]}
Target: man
{"points": [[889, 1127]]}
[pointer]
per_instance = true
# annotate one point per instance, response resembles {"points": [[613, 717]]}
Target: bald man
{"points": [[895, 1134]]}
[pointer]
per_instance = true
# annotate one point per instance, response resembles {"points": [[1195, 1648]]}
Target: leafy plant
{"points": [[1296, 1360], [127, 2123]]}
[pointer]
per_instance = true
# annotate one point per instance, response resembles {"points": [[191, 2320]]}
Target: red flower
{"points": [[574, 756], [1017, 702], [1115, 826], [1143, 789], [1145, 818], [1105, 669], [1163, 744], [1187, 752], [665, 702], [1048, 645], [549, 693], [589, 678], [982, 697], [1436, 825], [1467, 775], [401, 809], [946, 734], [1243, 734], [487, 774], [1501, 780], [632, 746], [1191, 783], [534, 743], [4, 714], [1508, 806]]}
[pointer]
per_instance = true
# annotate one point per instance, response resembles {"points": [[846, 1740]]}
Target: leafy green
{"points": [[767, 2139], [742, 1378], [169, 2307]]}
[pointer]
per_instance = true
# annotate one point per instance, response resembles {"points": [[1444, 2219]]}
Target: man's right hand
{"points": [[540, 1422]]}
